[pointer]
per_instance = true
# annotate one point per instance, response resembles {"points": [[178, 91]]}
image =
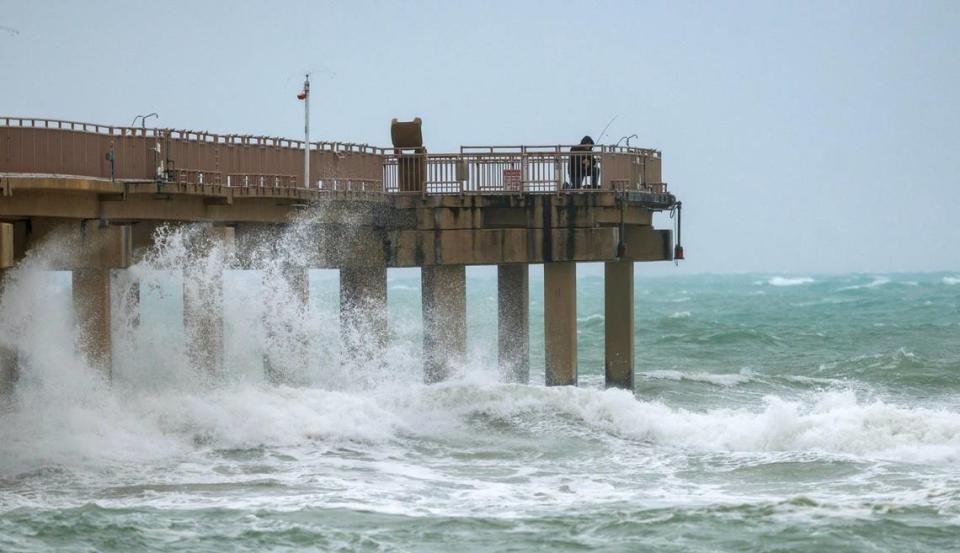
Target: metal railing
{"points": [[523, 170], [49, 146]]}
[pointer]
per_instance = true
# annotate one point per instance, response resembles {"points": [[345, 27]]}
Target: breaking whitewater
{"points": [[772, 412]]}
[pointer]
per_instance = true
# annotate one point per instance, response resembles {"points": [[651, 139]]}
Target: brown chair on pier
{"points": [[407, 138]]}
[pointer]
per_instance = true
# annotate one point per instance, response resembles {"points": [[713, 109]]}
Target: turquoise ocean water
{"points": [[771, 413]]}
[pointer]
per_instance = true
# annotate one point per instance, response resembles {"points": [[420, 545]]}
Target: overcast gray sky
{"points": [[802, 137]]}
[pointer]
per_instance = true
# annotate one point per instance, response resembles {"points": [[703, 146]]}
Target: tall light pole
{"points": [[305, 96], [156, 149]]}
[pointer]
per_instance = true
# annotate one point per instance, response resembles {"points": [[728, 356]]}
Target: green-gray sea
{"points": [[771, 413]]}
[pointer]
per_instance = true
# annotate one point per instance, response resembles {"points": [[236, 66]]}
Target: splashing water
{"points": [[785, 418]]}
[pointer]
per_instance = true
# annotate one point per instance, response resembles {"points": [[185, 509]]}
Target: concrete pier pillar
{"points": [[513, 312], [8, 356], [444, 295], [9, 373], [363, 313], [298, 282], [288, 345], [104, 248], [560, 323], [618, 324], [203, 305], [91, 303]]}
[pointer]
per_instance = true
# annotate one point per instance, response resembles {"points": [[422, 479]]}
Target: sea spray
{"points": [[753, 418]]}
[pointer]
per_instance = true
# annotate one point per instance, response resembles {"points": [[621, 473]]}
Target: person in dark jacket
{"points": [[582, 166]]}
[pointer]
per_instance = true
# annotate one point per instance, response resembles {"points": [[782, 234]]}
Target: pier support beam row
{"points": [[444, 320], [513, 329], [560, 323]]}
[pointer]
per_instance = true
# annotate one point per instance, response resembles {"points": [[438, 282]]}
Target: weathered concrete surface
{"points": [[520, 245], [7, 245], [513, 331], [91, 304], [103, 248], [288, 344], [8, 361], [560, 323], [11, 243], [406, 230], [618, 324], [87, 198], [363, 313], [648, 244], [203, 303], [444, 320]]}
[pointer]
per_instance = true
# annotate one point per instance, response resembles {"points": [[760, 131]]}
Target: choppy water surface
{"points": [[773, 413]]}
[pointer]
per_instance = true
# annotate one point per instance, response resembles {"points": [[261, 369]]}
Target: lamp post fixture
{"points": [[156, 149], [143, 119], [305, 96]]}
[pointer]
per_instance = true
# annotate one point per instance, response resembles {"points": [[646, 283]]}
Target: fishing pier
{"points": [[384, 207]]}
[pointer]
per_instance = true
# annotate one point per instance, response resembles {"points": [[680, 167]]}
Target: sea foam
{"points": [[788, 281]]}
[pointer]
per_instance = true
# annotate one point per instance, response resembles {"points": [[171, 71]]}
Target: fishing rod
{"points": [[604, 131]]}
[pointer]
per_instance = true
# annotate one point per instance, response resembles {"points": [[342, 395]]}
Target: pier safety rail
{"points": [[138, 154]]}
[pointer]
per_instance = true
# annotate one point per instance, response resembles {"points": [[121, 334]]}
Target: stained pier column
{"points": [[513, 311], [363, 312], [288, 346], [8, 357], [618, 324], [444, 295], [91, 303], [560, 323], [203, 304], [298, 282], [104, 248]]}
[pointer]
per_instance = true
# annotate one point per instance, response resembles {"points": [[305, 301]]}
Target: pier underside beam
{"points": [[363, 313], [513, 310], [444, 320], [495, 246], [618, 324], [560, 323], [203, 302], [103, 248]]}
